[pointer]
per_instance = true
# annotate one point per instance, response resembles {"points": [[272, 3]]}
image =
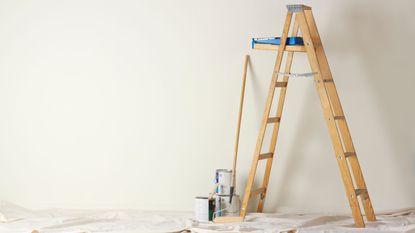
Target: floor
{"points": [[15, 219]]}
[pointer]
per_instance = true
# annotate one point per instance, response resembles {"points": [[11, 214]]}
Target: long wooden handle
{"points": [[238, 129]]}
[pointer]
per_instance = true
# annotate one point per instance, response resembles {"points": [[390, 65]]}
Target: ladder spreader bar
{"points": [[296, 75]]}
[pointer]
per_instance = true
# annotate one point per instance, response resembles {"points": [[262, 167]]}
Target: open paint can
{"points": [[223, 180], [224, 207], [204, 209]]}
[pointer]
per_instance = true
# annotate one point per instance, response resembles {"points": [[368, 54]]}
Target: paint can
{"points": [[223, 180], [204, 209], [224, 208]]}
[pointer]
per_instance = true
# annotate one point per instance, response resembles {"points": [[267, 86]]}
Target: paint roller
{"points": [[238, 128]]}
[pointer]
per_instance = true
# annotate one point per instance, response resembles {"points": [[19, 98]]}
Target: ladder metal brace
{"points": [[296, 75]]}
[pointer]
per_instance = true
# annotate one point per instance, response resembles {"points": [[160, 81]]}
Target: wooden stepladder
{"points": [[339, 132]]}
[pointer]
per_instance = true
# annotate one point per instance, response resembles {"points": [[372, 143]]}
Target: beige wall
{"points": [[133, 104]]}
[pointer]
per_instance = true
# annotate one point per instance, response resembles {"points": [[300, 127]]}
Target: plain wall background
{"points": [[133, 104]]}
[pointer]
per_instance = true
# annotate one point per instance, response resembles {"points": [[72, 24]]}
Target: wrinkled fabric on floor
{"points": [[15, 219], [394, 221]]}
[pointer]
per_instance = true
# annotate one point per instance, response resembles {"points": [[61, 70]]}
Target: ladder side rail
{"points": [[338, 111], [278, 114], [330, 86], [267, 110], [329, 116]]}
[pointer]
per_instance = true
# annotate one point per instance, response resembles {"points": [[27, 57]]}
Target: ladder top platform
{"points": [[272, 43], [297, 8]]}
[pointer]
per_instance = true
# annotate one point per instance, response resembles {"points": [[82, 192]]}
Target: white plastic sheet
{"points": [[394, 221], [15, 219]]}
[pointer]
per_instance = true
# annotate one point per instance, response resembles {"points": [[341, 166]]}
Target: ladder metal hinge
{"points": [[297, 7]]}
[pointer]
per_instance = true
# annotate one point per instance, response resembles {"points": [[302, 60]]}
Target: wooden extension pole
{"points": [[238, 127]]}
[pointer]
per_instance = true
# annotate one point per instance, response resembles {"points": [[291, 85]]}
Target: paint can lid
{"points": [[224, 170]]}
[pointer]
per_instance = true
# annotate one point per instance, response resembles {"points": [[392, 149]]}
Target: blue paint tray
{"points": [[277, 41]]}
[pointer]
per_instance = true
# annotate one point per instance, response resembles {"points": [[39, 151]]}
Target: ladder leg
{"points": [[350, 152], [251, 177], [278, 115], [328, 113], [342, 124]]}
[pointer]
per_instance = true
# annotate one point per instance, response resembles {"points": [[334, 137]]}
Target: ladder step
{"points": [[258, 191], [265, 156], [297, 8], [273, 119], [339, 118], [348, 154], [360, 191], [281, 84]]}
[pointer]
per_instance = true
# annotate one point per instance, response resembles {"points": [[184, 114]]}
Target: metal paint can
{"points": [[224, 208], [204, 209], [223, 180]]}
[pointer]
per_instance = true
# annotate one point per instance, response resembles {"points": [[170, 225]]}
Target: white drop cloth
{"points": [[15, 219], [394, 221]]}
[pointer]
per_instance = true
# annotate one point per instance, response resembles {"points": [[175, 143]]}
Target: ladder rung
{"points": [[265, 156], [339, 118], [348, 154], [258, 191], [281, 84], [273, 119], [360, 191], [328, 80]]}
